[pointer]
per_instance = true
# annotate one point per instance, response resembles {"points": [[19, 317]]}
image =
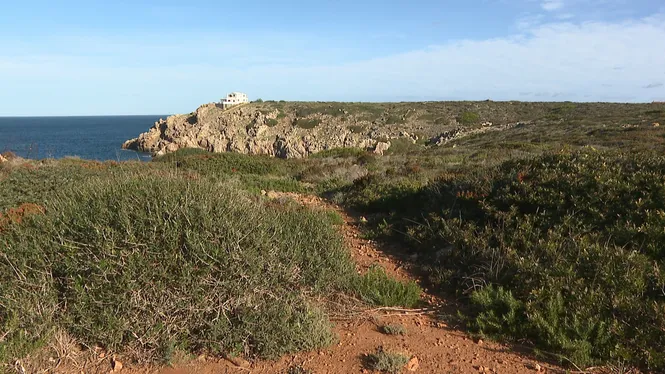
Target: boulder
{"points": [[2, 159]]}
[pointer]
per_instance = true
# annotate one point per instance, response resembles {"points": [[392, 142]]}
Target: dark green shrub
{"points": [[339, 153], [393, 329], [468, 118], [387, 362], [272, 122], [377, 288], [573, 243], [207, 163], [307, 123]]}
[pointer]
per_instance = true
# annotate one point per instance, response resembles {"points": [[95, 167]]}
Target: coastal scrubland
{"points": [[548, 234]]}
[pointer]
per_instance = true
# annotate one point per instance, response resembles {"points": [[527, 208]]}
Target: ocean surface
{"points": [[94, 138]]}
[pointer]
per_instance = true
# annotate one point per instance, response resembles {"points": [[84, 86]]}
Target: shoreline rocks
{"points": [[296, 130], [252, 131]]}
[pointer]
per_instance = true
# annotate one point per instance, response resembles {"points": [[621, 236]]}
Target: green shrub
{"points": [[387, 362], [334, 218], [207, 163], [468, 118], [272, 122], [394, 120], [144, 263], [376, 193], [307, 123], [377, 288], [339, 153], [564, 250], [357, 129], [393, 329]]}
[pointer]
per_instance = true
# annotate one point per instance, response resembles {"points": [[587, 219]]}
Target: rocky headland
{"points": [[296, 130]]}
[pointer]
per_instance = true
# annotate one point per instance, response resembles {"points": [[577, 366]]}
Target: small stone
{"points": [[480, 342], [413, 364], [263, 192], [535, 367], [656, 124], [115, 365]]}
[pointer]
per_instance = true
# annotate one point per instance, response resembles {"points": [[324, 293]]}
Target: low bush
{"points": [[393, 329], [380, 193], [564, 250], [207, 163], [307, 123], [339, 153], [145, 263], [387, 362], [468, 118], [377, 288]]}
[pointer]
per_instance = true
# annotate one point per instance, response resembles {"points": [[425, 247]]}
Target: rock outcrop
{"points": [[251, 131], [381, 147], [2, 159], [295, 130], [460, 132]]}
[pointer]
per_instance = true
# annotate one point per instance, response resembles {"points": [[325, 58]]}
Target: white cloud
{"points": [[591, 61], [565, 16], [552, 5], [529, 21]]}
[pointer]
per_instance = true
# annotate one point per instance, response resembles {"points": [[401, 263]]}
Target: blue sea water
{"points": [[94, 138]]}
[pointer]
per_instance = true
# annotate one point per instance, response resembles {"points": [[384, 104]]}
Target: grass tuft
{"points": [[148, 264], [377, 288], [386, 361]]}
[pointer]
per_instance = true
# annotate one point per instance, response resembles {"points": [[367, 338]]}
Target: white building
{"points": [[234, 98]]}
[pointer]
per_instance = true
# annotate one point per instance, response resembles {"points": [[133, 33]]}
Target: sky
{"points": [[90, 57]]}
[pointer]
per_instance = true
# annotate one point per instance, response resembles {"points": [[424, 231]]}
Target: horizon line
{"points": [[344, 102]]}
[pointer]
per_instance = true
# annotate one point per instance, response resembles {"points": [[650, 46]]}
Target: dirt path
{"points": [[437, 347]]}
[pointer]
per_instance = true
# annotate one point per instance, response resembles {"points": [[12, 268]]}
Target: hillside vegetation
{"points": [[549, 233]]}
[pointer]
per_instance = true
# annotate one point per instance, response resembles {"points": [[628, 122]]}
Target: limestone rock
{"points": [[413, 364], [2, 159], [381, 147], [289, 131], [251, 130]]}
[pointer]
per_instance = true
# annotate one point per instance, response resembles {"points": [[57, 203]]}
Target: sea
{"points": [[92, 138]]}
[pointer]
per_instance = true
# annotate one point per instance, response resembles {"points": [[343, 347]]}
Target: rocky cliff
{"points": [[294, 130]]}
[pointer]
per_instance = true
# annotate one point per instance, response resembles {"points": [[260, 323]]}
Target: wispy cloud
{"points": [[547, 61], [551, 5], [529, 21]]}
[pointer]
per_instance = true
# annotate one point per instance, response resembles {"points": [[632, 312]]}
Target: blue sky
{"points": [[158, 57]]}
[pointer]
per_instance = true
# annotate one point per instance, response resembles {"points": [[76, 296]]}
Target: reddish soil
{"points": [[439, 348], [15, 215]]}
